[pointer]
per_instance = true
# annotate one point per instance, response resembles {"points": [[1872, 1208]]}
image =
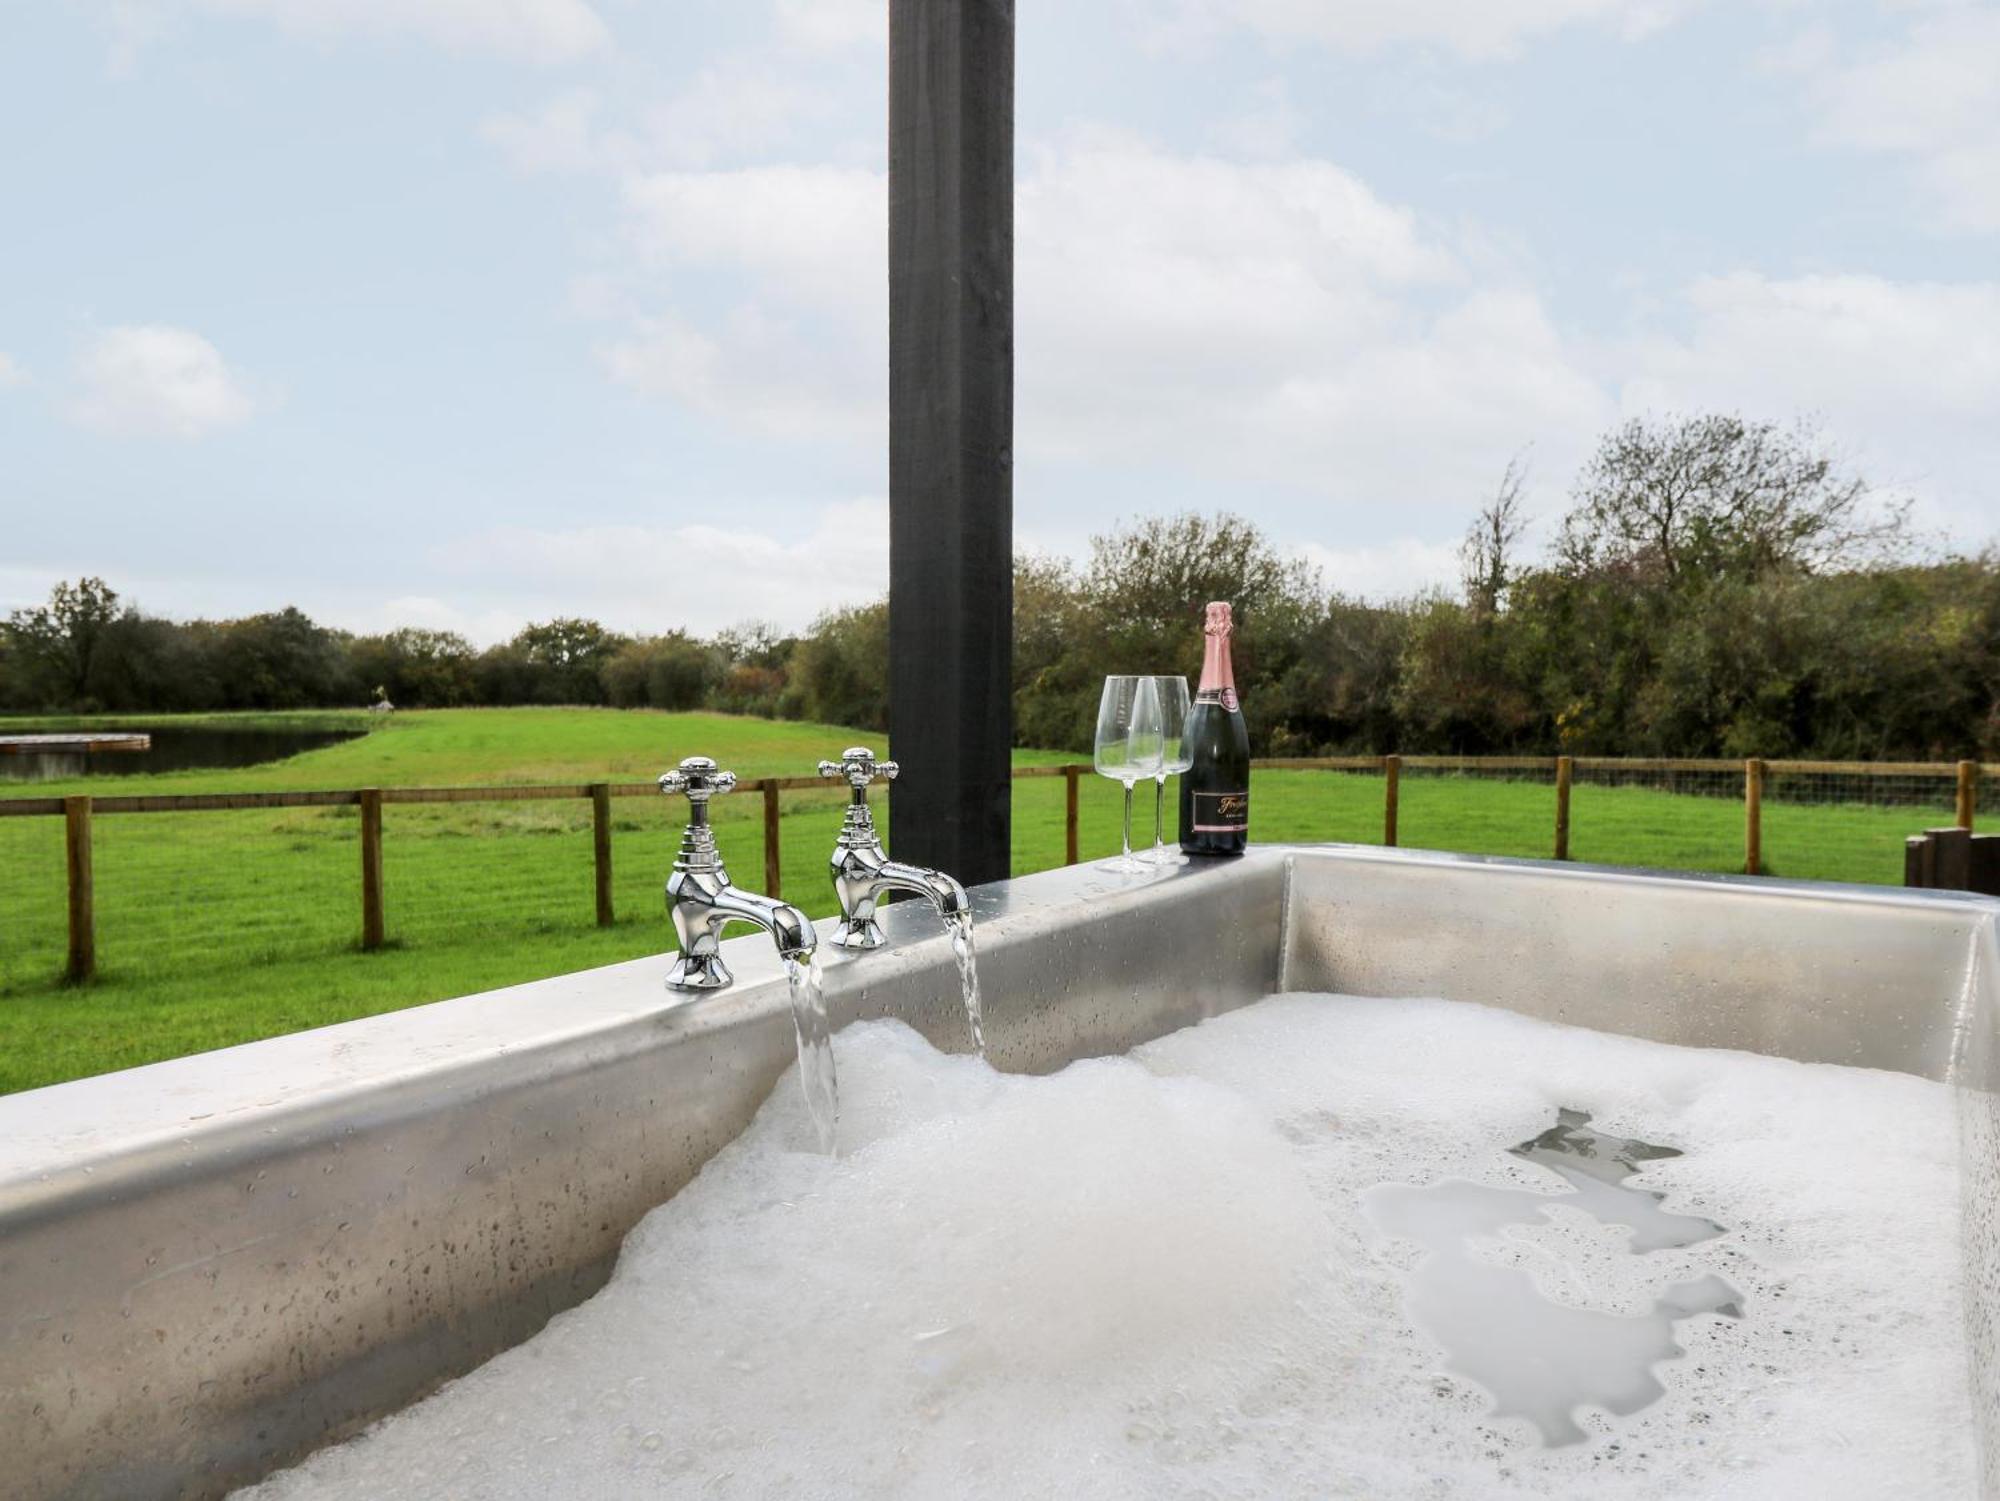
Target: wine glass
{"points": [[1130, 745], [1177, 757]]}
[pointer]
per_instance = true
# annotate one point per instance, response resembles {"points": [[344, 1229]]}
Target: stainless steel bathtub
{"points": [[211, 1266]]}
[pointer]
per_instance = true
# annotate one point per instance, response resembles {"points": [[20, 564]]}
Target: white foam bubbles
{"points": [[1152, 1277]]}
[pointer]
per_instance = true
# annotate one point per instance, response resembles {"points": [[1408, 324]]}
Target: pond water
{"points": [[175, 748]]}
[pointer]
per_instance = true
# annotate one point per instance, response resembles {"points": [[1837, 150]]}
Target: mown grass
{"points": [[216, 928]]}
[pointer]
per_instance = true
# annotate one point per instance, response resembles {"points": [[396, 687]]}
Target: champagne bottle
{"points": [[1215, 789]]}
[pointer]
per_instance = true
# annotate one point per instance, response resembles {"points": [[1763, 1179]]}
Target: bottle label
{"points": [[1224, 696], [1221, 812]]}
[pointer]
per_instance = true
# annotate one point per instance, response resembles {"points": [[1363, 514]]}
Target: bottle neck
{"points": [[1218, 679]]}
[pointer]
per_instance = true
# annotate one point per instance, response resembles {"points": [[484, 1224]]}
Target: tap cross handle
{"points": [[857, 764], [700, 779]]}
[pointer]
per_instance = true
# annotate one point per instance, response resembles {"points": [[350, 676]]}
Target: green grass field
{"points": [[216, 928]]}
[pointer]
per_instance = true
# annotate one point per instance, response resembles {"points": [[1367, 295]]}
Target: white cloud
{"points": [[481, 627], [1906, 375], [1281, 325], [734, 108], [1932, 96], [536, 31], [802, 351], [561, 136], [834, 23], [154, 380], [1389, 571], [1268, 127], [704, 575], [1271, 319], [11, 373], [1480, 30]]}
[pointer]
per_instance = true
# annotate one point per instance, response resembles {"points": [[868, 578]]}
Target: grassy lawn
{"points": [[216, 928]]}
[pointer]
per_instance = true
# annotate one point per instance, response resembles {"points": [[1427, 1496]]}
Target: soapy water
{"points": [[818, 1078], [1160, 1275], [1541, 1359]]}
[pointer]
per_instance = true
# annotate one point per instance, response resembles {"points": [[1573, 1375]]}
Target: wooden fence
{"points": [[77, 812]]}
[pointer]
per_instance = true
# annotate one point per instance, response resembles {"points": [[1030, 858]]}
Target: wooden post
{"points": [[1070, 776], [1968, 792], [371, 867], [1392, 774], [1917, 862], [951, 432], [1753, 816], [1951, 858], [773, 872], [1564, 768], [600, 849], [82, 890]]}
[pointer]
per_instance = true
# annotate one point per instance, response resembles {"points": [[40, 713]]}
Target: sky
{"points": [[465, 313]]}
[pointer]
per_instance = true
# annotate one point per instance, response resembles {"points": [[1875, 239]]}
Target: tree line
{"points": [[1715, 587]]}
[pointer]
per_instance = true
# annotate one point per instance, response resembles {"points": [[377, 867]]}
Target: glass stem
{"points": [[1128, 820], [1160, 811]]}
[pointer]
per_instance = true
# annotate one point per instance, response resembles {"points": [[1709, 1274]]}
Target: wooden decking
{"points": [[71, 745]]}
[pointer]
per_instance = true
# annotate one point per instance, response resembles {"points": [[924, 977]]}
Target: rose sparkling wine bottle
{"points": [[1215, 789]]}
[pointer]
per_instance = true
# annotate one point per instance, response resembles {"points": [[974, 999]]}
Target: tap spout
{"points": [[702, 903], [860, 878]]}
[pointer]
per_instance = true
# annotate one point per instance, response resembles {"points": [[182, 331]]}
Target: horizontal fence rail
{"points": [[1756, 782]]}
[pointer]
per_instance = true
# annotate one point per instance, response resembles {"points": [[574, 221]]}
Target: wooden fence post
{"points": [[1563, 771], [772, 865], [1392, 774], [1968, 792], [82, 890], [371, 867], [600, 849], [1753, 816], [1070, 776]]}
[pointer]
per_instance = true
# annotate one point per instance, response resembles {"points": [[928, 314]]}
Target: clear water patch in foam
{"points": [[1540, 1358]]}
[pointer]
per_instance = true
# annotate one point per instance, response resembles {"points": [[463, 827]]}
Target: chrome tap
{"points": [[862, 871], [700, 899]]}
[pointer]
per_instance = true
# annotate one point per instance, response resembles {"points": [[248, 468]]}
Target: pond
{"points": [[175, 748]]}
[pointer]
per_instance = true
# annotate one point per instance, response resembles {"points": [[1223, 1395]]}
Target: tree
{"points": [[839, 671], [416, 668], [280, 660], [1486, 556], [567, 657], [1715, 494], [673, 671], [59, 643]]}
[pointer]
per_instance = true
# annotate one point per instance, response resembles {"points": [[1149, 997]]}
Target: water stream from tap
{"points": [[815, 1036], [960, 928]]}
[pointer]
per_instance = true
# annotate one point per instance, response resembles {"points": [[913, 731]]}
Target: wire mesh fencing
{"points": [[183, 885], [33, 902]]}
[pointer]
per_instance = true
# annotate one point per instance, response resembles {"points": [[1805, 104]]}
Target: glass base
{"points": [[1164, 855], [1126, 865]]}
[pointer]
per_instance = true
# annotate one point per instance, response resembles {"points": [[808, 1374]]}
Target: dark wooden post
{"points": [[371, 868], [1919, 867], [951, 423], [82, 890], [1070, 776], [1563, 771], [1753, 816], [1968, 792], [1392, 775], [600, 849], [773, 868], [1951, 858]]}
